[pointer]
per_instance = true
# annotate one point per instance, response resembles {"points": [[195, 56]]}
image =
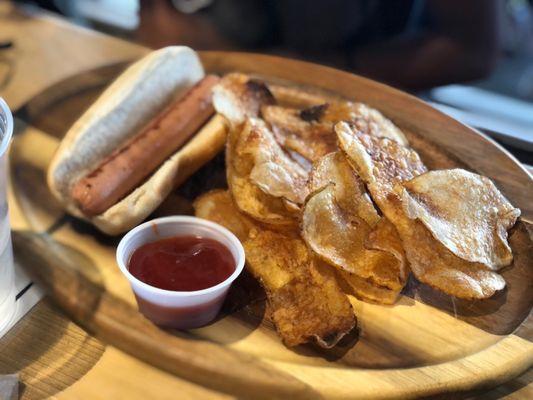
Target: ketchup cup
{"points": [[175, 309]]}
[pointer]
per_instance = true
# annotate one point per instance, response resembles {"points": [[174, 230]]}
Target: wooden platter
{"points": [[426, 344]]}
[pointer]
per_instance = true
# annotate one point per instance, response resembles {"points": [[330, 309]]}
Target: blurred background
{"points": [[472, 59]]}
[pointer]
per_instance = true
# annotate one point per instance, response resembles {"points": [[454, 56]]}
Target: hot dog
{"points": [[131, 163], [149, 131]]}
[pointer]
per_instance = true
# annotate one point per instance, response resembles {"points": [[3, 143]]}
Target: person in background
{"points": [[412, 44]]}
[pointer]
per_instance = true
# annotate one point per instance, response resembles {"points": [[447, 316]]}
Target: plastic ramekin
{"points": [[175, 309]]}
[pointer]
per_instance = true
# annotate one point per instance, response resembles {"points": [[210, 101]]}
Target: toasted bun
{"points": [[136, 97]]}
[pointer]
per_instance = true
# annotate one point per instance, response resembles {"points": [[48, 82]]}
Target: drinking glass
{"points": [[7, 269]]}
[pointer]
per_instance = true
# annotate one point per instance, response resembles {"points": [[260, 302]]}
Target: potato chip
{"points": [[435, 265], [381, 162], [298, 97], [338, 236], [350, 192], [465, 212], [239, 97], [306, 301], [337, 220], [265, 182], [309, 132], [384, 236], [310, 139], [257, 204], [272, 170], [364, 119], [367, 291], [218, 206], [385, 166]]}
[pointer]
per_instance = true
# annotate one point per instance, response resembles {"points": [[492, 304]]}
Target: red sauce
{"points": [[182, 263]]}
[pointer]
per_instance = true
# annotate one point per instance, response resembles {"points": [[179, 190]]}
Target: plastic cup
{"points": [[175, 309], [7, 269]]}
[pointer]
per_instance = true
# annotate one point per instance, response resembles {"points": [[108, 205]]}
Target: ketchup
{"points": [[182, 263]]}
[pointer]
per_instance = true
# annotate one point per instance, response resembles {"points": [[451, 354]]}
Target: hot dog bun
{"points": [[135, 98]]}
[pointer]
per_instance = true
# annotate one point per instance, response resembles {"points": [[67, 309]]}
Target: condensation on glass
{"points": [[7, 272]]}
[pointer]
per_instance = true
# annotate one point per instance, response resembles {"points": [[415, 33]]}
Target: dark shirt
{"points": [[314, 26]]}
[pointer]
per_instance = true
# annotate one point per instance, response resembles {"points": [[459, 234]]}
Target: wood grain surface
{"points": [[384, 354], [462, 330]]}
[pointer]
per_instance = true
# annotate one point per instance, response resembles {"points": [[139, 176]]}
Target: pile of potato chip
{"points": [[332, 192]]}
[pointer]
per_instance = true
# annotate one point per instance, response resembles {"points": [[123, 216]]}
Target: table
{"points": [[54, 356]]}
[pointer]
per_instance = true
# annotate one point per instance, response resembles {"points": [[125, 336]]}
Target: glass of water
{"points": [[7, 269]]}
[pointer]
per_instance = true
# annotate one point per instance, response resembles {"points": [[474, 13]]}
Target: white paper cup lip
{"points": [[219, 231]]}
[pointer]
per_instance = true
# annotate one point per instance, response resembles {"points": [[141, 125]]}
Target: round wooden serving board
{"points": [[426, 344]]}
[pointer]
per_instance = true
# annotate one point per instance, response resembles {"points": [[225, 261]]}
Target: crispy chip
{"points": [[218, 206], [306, 301], [337, 219], [381, 162], [385, 237], [368, 291], [370, 121], [254, 202], [238, 97], [305, 298], [385, 165], [264, 181], [338, 236], [310, 139], [465, 212], [350, 192], [273, 170], [309, 132], [298, 97], [435, 265]]}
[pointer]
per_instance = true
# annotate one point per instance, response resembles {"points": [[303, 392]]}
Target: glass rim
{"points": [[6, 138]]}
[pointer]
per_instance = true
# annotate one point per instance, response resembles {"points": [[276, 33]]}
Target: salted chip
{"points": [[311, 139], [298, 97], [338, 236], [385, 237], [381, 162], [370, 121], [264, 181], [307, 303], [310, 133], [273, 171], [385, 166], [218, 206], [368, 291], [435, 265], [465, 212], [348, 200], [337, 220], [350, 192], [253, 201], [239, 97]]}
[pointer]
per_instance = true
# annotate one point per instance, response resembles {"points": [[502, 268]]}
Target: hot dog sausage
{"points": [[129, 165]]}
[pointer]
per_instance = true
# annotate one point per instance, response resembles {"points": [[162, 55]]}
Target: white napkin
{"points": [[9, 387], [28, 294]]}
